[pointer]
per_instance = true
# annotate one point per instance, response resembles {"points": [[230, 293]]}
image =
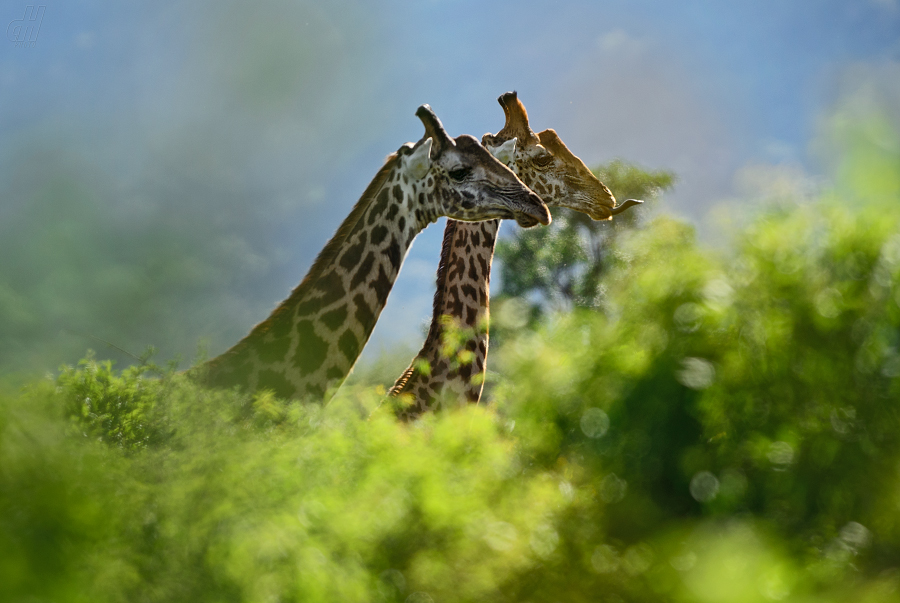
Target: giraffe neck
{"points": [[461, 304], [309, 344]]}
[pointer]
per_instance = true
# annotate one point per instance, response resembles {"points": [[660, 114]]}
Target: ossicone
{"points": [[516, 125], [434, 130]]}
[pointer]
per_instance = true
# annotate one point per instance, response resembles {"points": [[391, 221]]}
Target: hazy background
{"points": [[168, 172]]}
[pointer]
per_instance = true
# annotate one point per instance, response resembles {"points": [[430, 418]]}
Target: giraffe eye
{"points": [[459, 174], [543, 160]]}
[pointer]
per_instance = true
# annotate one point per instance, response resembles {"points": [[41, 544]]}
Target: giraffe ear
{"points": [[506, 152], [419, 161]]}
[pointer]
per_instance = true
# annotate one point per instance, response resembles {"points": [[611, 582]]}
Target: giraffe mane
{"points": [[434, 331], [400, 383], [331, 250]]}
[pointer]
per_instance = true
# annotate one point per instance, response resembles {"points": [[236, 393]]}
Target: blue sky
{"points": [[271, 117]]}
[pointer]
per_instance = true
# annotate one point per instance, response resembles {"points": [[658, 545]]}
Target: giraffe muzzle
{"points": [[532, 211], [528, 218]]}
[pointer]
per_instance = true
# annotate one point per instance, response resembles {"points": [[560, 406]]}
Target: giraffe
{"points": [[438, 374], [310, 342]]}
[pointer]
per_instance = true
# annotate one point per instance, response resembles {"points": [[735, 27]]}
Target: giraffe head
{"points": [[547, 165], [465, 180]]}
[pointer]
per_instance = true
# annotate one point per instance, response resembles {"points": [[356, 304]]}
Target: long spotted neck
{"points": [[309, 344], [451, 365]]}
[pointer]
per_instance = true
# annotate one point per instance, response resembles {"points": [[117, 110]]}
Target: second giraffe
{"points": [[549, 168]]}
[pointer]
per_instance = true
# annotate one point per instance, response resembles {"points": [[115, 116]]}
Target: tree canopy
{"points": [[562, 267]]}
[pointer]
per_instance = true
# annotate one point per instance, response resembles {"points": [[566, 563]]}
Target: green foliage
{"points": [[562, 266], [761, 387], [116, 409], [253, 498]]}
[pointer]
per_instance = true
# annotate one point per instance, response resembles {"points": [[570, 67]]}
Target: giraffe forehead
{"points": [[558, 164], [471, 153], [481, 175], [551, 141]]}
